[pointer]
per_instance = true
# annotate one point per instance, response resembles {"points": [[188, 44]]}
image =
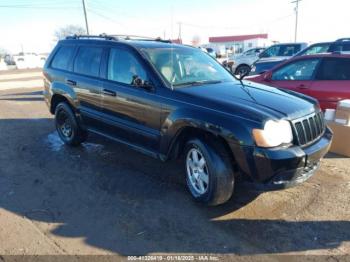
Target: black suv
{"points": [[171, 101]]}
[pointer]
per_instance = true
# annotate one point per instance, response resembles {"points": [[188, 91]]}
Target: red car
{"points": [[325, 77]]}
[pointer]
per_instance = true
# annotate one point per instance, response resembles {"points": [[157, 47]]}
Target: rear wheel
{"points": [[67, 125], [209, 172]]}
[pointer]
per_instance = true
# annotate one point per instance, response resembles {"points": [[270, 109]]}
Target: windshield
{"points": [[187, 66], [315, 49]]}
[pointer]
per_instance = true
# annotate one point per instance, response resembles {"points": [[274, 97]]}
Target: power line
{"points": [[36, 7]]}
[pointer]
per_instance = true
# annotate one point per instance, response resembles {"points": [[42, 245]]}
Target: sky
{"points": [[30, 24]]}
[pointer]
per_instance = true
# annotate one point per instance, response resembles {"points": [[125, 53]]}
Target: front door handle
{"points": [[302, 86], [109, 92], [71, 82]]}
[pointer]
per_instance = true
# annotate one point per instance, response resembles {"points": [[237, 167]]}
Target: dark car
{"points": [[340, 46], [176, 102], [325, 77], [275, 55]]}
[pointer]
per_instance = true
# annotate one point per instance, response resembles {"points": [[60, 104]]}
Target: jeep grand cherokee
{"points": [[174, 101]]}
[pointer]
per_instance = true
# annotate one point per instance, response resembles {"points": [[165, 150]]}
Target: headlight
{"points": [[253, 69], [273, 134]]}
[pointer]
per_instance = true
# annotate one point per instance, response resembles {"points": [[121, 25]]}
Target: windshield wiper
{"points": [[197, 83]]}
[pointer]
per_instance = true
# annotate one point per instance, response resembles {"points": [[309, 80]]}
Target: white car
{"points": [[29, 60], [3, 65], [240, 64]]}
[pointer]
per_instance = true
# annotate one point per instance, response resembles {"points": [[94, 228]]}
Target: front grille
{"points": [[309, 128]]}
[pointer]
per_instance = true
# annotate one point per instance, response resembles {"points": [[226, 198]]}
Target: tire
{"points": [[242, 69], [67, 125], [218, 169]]}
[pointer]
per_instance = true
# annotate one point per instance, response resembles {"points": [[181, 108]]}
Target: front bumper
{"points": [[273, 169]]}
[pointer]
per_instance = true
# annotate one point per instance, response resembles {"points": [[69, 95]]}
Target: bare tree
{"points": [[68, 30]]}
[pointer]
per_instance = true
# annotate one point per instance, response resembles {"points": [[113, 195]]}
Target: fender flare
{"points": [[227, 127]]}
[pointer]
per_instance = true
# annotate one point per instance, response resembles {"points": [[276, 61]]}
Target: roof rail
{"points": [[103, 36], [343, 39], [118, 37], [141, 38]]}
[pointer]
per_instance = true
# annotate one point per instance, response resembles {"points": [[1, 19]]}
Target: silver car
{"points": [[240, 64]]}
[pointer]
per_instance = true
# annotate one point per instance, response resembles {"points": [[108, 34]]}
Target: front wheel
{"points": [[209, 172], [242, 70]]}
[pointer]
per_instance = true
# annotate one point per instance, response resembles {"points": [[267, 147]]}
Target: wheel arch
{"points": [[62, 93], [186, 133]]}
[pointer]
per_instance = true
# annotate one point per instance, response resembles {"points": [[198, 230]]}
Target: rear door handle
{"points": [[109, 92], [71, 82]]}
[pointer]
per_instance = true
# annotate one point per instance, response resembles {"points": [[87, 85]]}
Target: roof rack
{"points": [[118, 37], [141, 38], [104, 36]]}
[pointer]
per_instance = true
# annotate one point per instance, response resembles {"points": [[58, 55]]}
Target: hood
{"points": [[253, 101]]}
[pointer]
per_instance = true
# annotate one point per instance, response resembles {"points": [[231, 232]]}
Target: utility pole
{"points": [[180, 31], [86, 20], [296, 2]]}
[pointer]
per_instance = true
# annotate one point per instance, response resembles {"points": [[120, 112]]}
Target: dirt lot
{"points": [[103, 198]]}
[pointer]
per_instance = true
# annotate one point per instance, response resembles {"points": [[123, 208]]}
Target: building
{"points": [[176, 41], [239, 43]]}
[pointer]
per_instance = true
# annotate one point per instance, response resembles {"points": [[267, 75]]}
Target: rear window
{"points": [[63, 57], [334, 69], [88, 60]]}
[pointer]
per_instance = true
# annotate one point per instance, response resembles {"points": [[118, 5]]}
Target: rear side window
{"points": [[88, 60], [334, 69], [63, 57]]}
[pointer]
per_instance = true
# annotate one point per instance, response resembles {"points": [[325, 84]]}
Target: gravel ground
{"points": [[103, 198]]}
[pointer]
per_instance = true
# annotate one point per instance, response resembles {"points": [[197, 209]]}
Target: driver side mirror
{"points": [[267, 76]]}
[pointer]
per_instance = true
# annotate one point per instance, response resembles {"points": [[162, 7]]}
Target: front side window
{"points": [[271, 51], [184, 66], [289, 50], [334, 69], [123, 67], [250, 52], [63, 57], [88, 60], [299, 70]]}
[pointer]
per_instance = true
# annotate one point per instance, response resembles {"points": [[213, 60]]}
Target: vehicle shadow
{"points": [[334, 155], [121, 201]]}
